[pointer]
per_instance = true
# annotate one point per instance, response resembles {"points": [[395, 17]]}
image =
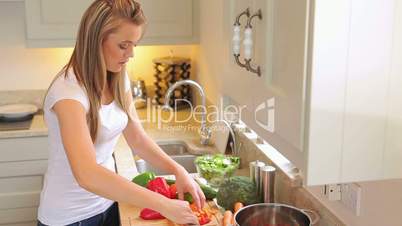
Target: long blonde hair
{"points": [[102, 18]]}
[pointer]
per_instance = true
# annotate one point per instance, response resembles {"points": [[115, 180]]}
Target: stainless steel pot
{"points": [[274, 214]]}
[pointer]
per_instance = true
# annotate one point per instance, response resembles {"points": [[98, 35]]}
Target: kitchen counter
{"points": [[38, 128], [188, 129]]}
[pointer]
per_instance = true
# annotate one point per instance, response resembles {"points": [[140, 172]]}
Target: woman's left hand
{"points": [[185, 183]]}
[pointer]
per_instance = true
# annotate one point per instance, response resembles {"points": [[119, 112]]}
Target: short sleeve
{"points": [[65, 88], [127, 82]]}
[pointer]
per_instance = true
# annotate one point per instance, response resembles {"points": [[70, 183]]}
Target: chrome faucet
{"points": [[205, 132], [233, 145]]}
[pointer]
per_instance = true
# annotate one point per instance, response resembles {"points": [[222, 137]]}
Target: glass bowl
{"points": [[215, 168]]}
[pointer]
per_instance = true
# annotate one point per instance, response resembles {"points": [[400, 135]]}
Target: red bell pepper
{"points": [[148, 214], [160, 186], [173, 191]]}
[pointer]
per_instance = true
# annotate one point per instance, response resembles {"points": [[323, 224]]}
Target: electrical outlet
{"points": [[332, 192], [351, 197]]}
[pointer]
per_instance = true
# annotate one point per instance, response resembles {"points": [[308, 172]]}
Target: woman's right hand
{"points": [[179, 212]]}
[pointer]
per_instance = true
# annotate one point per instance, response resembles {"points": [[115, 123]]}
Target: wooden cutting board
{"points": [[130, 216]]}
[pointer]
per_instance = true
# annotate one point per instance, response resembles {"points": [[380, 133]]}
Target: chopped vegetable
{"points": [[143, 178], [173, 191], [148, 214], [202, 215], [160, 186], [203, 219]]}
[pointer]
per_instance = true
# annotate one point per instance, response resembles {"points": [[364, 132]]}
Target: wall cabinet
{"points": [[331, 82], [54, 23], [279, 49], [22, 168]]}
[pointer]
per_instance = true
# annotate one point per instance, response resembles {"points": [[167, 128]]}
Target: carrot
{"points": [[227, 218], [237, 206]]}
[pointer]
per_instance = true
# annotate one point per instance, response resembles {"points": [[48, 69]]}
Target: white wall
{"points": [[211, 53], [22, 68], [381, 204]]}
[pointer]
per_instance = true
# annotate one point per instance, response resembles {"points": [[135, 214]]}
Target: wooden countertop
{"points": [[129, 216]]}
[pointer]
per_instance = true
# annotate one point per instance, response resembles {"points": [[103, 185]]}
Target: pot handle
{"points": [[315, 217]]}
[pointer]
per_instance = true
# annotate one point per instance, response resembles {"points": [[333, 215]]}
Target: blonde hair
{"points": [[102, 18]]}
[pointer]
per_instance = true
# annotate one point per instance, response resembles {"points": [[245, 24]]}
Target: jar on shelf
{"points": [[169, 70]]}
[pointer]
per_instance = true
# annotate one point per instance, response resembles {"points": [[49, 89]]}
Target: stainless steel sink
{"points": [[174, 148], [178, 151]]}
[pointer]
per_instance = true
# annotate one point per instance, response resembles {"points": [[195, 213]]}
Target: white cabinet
{"points": [[279, 49], [171, 22], [330, 72], [22, 167], [354, 98], [237, 83], [54, 23]]}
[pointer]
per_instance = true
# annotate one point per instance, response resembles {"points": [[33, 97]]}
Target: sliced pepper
{"points": [[173, 191], [203, 219], [143, 178], [160, 186], [148, 214], [202, 215]]}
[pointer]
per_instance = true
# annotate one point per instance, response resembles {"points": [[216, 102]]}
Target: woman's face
{"points": [[119, 46]]}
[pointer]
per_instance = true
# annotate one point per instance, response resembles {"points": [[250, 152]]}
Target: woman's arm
{"points": [[80, 152], [148, 150]]}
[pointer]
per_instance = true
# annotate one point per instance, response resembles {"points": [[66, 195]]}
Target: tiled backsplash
{"points": [[23, 97], [288, 187]]}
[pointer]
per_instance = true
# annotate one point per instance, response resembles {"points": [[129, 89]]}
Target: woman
{"points": [[87, 107]]}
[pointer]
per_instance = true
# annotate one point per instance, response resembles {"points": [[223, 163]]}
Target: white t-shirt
{"points": [[62, 200]]}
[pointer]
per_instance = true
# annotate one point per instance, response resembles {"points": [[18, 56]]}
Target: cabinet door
{"points": [[22, 166], [355, 122], [23, 149], [279, 93], [54, 23], [236, 81], [170, 22]]}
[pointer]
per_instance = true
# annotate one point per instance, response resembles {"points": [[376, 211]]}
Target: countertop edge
{"points": [[37, 129]]}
